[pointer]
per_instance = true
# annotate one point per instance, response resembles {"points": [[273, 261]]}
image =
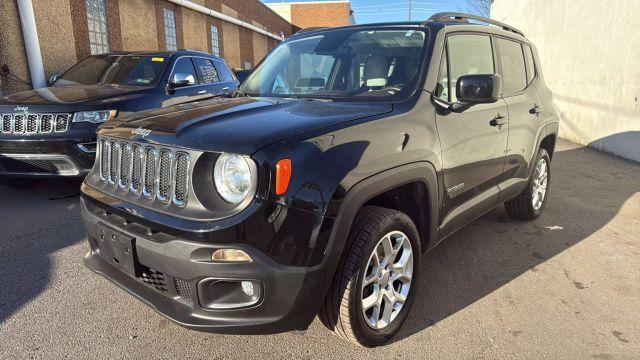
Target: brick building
{"points": [[309, 14], [241, 31]]}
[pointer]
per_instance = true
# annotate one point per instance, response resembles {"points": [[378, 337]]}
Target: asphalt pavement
{"points": [[565, 286]]}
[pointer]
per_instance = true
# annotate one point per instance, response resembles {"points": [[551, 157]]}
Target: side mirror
{"points": [[181, 80], [479, 89]]}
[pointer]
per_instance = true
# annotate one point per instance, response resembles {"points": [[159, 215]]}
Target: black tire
{"points": [[521, 207], [341, 311]]}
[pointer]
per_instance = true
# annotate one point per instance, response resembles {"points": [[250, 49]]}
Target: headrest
{"points": [[376, 71]]}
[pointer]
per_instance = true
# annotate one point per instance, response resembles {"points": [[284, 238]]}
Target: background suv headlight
{"points": [[232, 177], [95, 117]]}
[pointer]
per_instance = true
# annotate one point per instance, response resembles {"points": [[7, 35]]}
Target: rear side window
{"points": [[468, 55], [514, 74], [185, 66], [531, 65], [208, 73], [223, 72]]}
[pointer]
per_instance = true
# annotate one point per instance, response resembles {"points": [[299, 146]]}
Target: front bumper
{"points": [[70, 154], [181, 270]]}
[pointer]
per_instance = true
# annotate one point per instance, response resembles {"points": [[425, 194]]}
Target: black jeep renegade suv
{"points": [[51, 131], [347, 154]]}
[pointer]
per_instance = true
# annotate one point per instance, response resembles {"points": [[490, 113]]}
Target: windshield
{"points": [[115, 70], [341, 65]]}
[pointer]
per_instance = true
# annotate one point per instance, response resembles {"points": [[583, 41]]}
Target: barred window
{"points": [[215, 41], [98, 28], [170, 35]]}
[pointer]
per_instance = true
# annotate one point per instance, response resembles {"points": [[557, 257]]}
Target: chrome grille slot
{"points": [[18, 123], [164, 177], [46, 123], [125, 165], [136, 168], [62, 122], [32, 124], [181, 178], [150, 156], [113, 162], [104, 158], [157, 173], [7, 123]]}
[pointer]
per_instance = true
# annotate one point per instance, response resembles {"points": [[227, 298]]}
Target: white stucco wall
{"points": [[590, 56]]}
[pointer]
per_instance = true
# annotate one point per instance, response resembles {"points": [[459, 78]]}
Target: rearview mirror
{"points": [[479, 89], [181, 80]]}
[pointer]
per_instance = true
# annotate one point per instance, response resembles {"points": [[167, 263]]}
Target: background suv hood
{"points": [[73, 95], [239, 125]]}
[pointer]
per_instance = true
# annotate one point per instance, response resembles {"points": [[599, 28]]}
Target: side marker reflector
{"points": [[283, 176]]}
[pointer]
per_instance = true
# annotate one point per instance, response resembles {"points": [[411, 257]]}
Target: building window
{"points": [[247, 65], [170, 35], [215, 41], [98, 29]]}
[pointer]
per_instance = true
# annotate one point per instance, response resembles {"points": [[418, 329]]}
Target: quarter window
{"points": [[468, 55], [170, 33], [215, 41], [514, 74], [531, 64], [98, 27], [442, 88], [208, 73]]}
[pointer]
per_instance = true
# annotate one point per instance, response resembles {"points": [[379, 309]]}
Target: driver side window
{"points": [[468, 55]]}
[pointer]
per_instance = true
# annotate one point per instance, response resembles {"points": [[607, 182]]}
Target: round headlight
{"points": [[232, 177]]}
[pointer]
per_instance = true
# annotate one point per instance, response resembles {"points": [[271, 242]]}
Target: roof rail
{"points": [[454, 16], [310, 29]]}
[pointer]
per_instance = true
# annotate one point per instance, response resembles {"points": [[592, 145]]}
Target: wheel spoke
{"points": [[387, 249], [371, 300]]}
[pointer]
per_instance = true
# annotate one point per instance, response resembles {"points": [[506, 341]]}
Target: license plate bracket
{"points": [[117, 249]]}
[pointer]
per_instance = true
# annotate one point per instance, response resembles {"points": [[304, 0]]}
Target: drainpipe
{"points": [[31, 43], [205, 10]]}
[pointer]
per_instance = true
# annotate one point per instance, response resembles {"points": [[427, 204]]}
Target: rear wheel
{"points": [[374, 285], [530, 203]]}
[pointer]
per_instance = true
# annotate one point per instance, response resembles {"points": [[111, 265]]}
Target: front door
{"points": [[188, 93], [473, 141]]}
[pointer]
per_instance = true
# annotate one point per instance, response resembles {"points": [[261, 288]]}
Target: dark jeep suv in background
{"points": [[347, 154], [51, 131]]}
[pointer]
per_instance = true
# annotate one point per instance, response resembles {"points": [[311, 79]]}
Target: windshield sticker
{"points": [[157, 59]]}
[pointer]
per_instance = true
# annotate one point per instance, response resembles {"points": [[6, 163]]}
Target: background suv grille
{"points": [[159, 173], [34, 123]]}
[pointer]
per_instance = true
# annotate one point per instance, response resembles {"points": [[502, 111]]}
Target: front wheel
{"points": [[374, 285], [530, 203]]}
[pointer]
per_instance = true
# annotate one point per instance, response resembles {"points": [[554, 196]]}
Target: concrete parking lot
{"points": [[564, 286]]}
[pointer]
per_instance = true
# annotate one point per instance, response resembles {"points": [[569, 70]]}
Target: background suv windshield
{"points": [[347, 64], [115, 70]]}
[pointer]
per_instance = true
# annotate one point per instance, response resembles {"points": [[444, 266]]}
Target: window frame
{"points": [[497, 51], [195, 70], [527, 65]]}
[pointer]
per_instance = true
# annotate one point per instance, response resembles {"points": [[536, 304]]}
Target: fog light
{"points": [[231, 255], [247, 288]]}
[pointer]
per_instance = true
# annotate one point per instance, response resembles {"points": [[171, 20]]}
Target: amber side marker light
{"points": [[231, 255], [283, 175]]}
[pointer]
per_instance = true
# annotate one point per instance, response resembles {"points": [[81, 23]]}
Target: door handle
{"points": [[225, 89], [535, 110], [202, 92], [499, 120]]}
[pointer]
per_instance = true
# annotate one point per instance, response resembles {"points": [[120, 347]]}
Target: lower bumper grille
{"points": [[154, 278], [38, 165]]}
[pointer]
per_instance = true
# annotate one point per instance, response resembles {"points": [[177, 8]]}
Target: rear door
{"points": [[519, 91], [228, 80], [473, 146], [209, 78]]}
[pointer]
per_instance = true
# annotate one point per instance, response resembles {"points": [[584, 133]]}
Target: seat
{"points": [[375, 74]]}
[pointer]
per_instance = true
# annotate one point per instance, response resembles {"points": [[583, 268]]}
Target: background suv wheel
{"points": [[374, 284]]}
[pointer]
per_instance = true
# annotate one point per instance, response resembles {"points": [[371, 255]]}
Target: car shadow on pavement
{"points": [[587, 190], [38, 219]]}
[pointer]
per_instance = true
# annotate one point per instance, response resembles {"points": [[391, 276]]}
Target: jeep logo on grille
{"points": [[141, 132], [21, 109]]}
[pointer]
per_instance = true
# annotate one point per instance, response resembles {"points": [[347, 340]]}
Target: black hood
{"points": [[238, 125], [68, 95]]}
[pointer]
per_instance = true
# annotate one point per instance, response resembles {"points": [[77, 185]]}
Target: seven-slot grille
{"points": [[34, 123], [155, 172]]}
